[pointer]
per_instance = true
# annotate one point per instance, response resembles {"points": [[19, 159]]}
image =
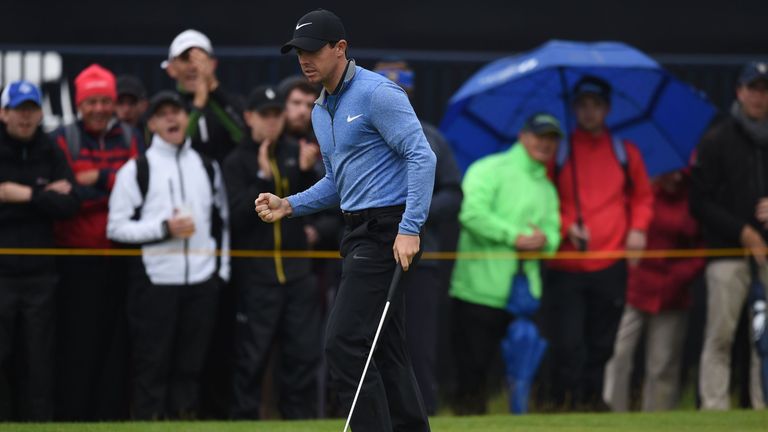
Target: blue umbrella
{"points": [[662, 115], [521, 303], [522, 350]]}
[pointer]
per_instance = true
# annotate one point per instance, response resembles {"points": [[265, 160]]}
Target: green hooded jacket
{"points": [[504, 195]]}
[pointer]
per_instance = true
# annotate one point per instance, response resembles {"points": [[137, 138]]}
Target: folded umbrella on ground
{"points": [[521, 303], [522, 350]]}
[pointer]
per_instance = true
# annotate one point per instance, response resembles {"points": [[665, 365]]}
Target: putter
{"points": [[392, 286]]}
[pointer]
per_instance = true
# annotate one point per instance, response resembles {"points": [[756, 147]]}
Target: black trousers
{"points": [[422, 300], [582, 315], [27, 319], [216, 376], [390, 399], [170, 329], [291, 315], [91, 332], [477, 334]]}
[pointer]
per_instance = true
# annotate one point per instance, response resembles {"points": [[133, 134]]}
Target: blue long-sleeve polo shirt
{"points": [[374, 150]]}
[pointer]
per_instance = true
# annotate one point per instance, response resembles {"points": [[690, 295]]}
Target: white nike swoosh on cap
{"points": [[350, 119], [298, 26]]}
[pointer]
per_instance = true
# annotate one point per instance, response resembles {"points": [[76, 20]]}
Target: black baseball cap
{"points": [[753, 71], [131, 86], [263, 98], [165, 97], [543, 124], [593, 86], [314, 30]]}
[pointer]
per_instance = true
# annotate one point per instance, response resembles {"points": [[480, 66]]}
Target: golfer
{"points": [[380, 169]]}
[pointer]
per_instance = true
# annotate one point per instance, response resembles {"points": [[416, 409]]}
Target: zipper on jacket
{"points": [[332, 114], [333, 132], [183, 201], [277, 226]]}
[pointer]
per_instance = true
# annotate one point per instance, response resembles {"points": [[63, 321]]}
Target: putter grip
{"points": [[395, 280]]}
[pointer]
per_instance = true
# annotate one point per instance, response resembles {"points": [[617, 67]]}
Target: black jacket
{"points": [[728, 178], [248, 232], [329, 223], [218, 127], [447, 195], [30, 225]]}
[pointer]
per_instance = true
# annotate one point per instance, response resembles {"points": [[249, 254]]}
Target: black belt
{"points": [[357, 218]]}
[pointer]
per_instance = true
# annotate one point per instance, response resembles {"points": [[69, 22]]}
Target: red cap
{"points": [[95, 81]]}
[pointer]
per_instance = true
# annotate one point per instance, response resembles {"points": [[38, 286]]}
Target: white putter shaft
{"points": [[367, 362]]}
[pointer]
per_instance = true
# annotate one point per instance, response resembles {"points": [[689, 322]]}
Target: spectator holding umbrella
{"points": [[509, 205], [730, 199], [606, 205], [657, 303]]}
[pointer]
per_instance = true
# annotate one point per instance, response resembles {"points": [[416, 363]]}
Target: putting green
{"points": [[730, 421]]}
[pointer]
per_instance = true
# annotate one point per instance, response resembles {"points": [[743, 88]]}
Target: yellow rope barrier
{"points": [[441, 256]]}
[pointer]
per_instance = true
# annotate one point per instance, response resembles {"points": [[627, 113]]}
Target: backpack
{"points": [[217, 224], [619, 150], [72, 135]]}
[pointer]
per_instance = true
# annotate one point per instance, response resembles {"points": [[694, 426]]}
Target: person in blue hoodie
{"points": [[380, 169]]}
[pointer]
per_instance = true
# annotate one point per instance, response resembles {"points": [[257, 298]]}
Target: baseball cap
{"points": [[165, 97], [314, 30], [131, 86], [542, 124], [594, 86], [753, 71], [18, 92], [186, 40], [264, 97]]}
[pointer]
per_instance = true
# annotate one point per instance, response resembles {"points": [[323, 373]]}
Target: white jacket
{"points": [[177, 179]]}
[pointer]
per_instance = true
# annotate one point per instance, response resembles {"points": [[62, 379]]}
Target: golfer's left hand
{"points": [[406, 247]]}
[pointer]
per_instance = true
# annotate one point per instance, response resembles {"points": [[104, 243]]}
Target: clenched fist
{"points": [[272, 208]]}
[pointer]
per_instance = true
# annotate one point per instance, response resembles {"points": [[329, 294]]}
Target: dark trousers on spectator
{"points": [[422, 302], [582, 315], [390, 399], [216, 397], [27, 319], [477, 333], [291, 315], [91, 363], [170, 331]]}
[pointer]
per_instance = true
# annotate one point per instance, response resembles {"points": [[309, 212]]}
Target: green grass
{"points": [[730, 421]]}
